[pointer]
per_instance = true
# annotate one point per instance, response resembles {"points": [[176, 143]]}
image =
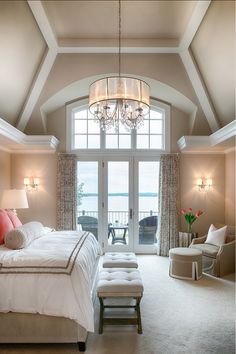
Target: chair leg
{"points": [[100, 331]]}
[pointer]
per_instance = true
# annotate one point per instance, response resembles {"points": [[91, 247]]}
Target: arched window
{"points": [[83, 133]]}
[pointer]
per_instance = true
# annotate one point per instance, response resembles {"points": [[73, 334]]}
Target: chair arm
{"points": [[226, 258], [198, 240], [226, 248]]}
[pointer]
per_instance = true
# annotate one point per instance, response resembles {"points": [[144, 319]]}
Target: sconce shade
{"points": [[36, 181], [14, 199], [26, 181], [209, 182], [204, 184], [31, 184]]}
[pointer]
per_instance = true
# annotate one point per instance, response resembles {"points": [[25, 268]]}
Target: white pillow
{"points": [[22, 236], [215, 236]]}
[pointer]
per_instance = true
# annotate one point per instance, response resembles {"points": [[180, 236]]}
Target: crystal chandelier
{"points": [[117, 99]]}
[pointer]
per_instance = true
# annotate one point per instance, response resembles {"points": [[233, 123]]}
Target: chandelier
{"points": [[117, 99]]}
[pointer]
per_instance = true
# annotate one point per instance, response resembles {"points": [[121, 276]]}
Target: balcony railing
{"points": [[121, 216]]}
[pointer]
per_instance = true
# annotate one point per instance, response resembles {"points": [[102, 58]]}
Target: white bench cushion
{"points": [[120, 282], [120, 260]]}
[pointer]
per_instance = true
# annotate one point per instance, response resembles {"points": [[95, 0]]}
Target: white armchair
{"points": [[221, 258]]}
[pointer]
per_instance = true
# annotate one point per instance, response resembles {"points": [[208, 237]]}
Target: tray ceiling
{"points": [[99, 19]]}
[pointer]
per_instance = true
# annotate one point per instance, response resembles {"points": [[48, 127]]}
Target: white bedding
{"points": [[52, 276]]}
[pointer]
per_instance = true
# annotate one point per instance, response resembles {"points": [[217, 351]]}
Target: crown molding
{"points": [[13, 140], [209, 144], [224, 133]]}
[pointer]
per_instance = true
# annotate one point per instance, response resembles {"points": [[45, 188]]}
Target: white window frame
{"points": [[72, 107]]}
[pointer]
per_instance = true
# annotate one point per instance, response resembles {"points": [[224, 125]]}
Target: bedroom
{"points": [[183, 50]]}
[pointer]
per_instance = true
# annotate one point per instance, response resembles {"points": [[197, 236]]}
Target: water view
{"points": [[147, 202]]}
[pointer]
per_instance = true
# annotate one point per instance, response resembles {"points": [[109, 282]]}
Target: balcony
{"points": [[118, 232]]}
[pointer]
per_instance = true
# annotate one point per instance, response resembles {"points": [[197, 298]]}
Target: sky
{"points": [[118, 176]]}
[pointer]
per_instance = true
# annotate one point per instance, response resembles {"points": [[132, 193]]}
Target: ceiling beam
{"points": [[43, 22], [36, 89], [194, 23], [191, 68], [110, 46], [107, 45], [45, 68], [200, 89]]}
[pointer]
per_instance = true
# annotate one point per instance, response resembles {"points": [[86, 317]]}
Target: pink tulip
{"points": [[190, 209], [199, 213], [183, 211]]}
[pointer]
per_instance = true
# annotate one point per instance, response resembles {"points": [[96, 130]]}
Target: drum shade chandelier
{"points": [[117, 99]]}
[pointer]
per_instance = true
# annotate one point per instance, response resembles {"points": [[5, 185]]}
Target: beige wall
{"points": [[56, 125], [5, 171], [42, 204], [70, 68], [212, 202], [179, 126], [218, 203], [230, 188]]}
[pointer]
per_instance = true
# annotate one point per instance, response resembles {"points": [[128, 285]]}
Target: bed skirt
{"points": [[36, 328]]}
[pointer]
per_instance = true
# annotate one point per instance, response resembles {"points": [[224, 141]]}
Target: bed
{"points": [[47, 289]]}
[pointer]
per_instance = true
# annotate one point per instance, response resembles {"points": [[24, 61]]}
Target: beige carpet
{"points": [[178, 316]]}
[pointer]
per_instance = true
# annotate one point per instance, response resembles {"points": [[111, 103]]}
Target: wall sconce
{"points": [[204, 184], [31, 184]]}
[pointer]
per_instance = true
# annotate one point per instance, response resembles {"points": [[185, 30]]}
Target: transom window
{"points": [[151, 134], [86, 131], [83, 133]]}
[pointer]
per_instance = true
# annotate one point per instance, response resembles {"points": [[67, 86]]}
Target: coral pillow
{"points": [[215, 236], [14, 218], [5, 225]]}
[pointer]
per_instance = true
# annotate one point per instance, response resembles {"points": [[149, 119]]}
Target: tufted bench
{"points": [[120, 260], [120, 283]]}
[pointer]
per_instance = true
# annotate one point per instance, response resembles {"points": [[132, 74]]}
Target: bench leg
{"points": [[101, 315], [140, 331]]}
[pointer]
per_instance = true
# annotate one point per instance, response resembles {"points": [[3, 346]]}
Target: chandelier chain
{"points": [[116, 99], [119, 36]]}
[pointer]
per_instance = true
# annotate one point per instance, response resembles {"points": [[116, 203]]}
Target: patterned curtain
{"points": [[168, 220], [66, 192]]}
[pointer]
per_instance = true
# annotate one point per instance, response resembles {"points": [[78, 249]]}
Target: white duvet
{"points": [[52, 276]]}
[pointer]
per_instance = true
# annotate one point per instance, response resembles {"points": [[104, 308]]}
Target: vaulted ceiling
{"points": [[37, 36], [99, 19]]}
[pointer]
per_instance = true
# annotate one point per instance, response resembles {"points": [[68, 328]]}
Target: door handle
{"points": [[131, 213]]}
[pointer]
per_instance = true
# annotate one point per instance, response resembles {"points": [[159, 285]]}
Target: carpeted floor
{"points": [[178, 316]]}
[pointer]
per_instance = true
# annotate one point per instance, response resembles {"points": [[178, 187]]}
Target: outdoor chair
{"points": [[89, 223], [147, 230]]}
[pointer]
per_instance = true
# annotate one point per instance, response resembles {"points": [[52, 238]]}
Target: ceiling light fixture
{"points": [[117, 99]]}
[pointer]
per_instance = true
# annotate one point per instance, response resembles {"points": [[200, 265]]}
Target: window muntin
{"points": [[118, 138], [152, 135], [86, 131]]}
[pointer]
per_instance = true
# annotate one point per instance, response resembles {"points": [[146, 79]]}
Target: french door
{"points": [[119, 197]]}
